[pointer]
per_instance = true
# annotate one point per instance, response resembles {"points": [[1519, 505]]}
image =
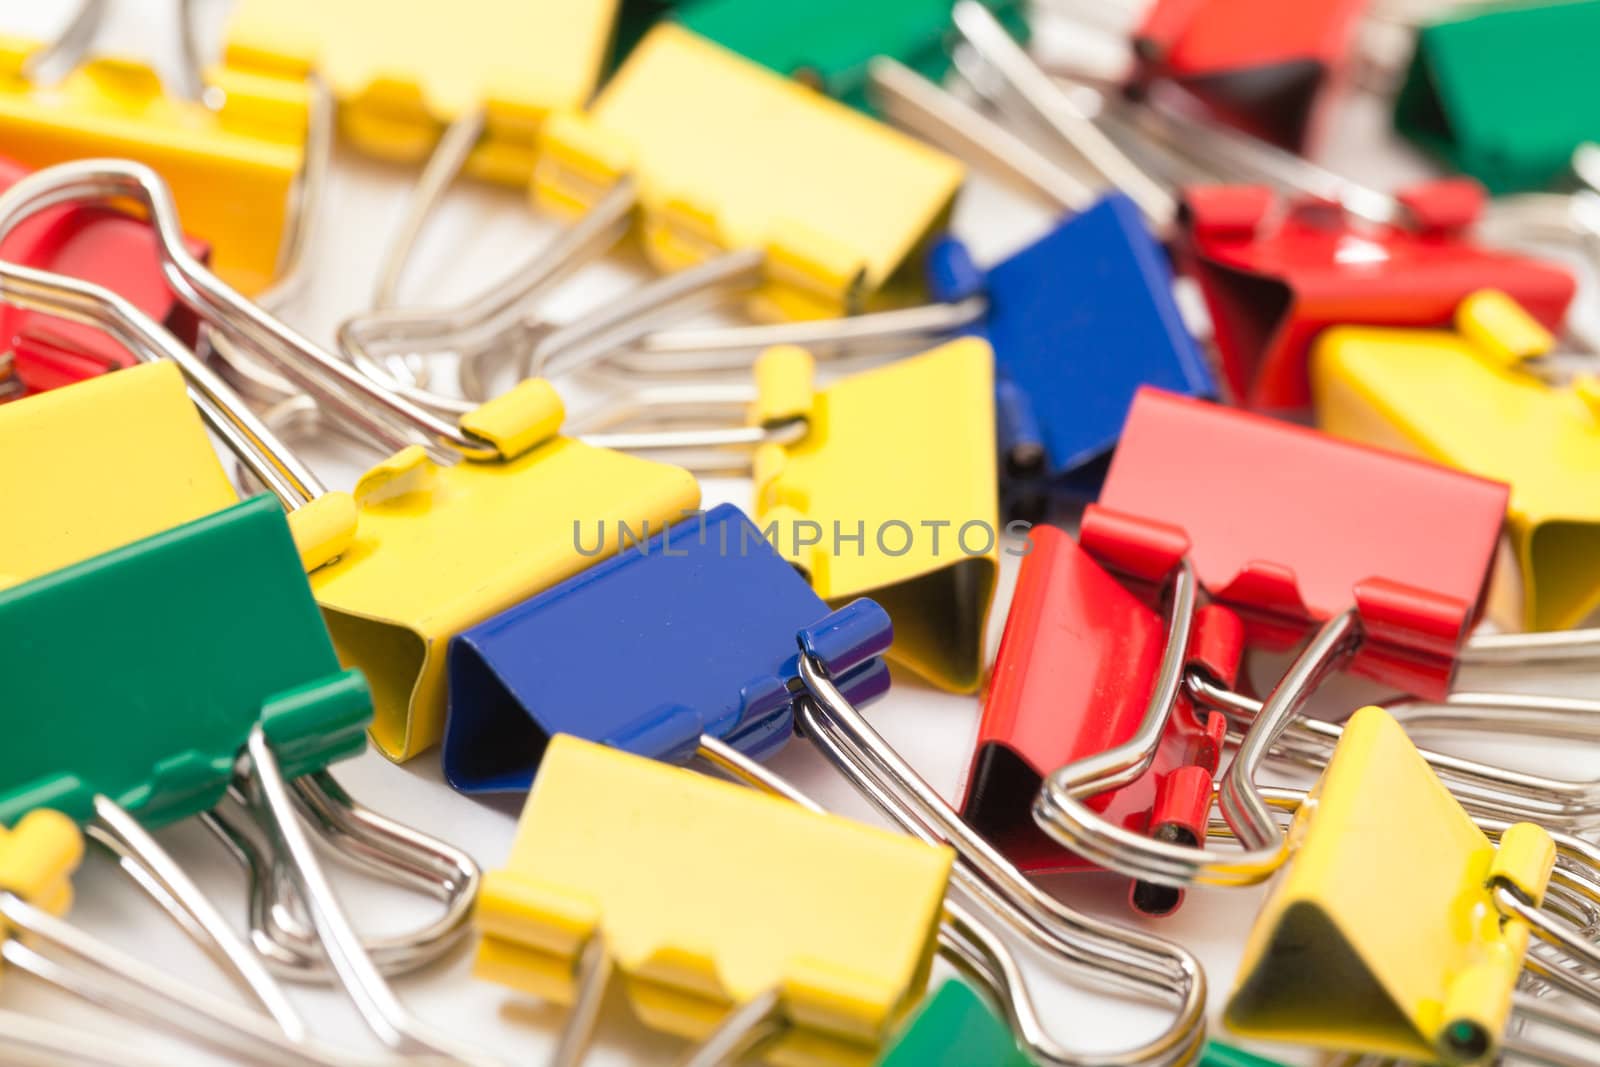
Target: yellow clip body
{"points": [[101, 464], [401, 76], [438, 549], [232, 170], [708, 895], [37, 859], [1458, 398], [1381, 935], [729, 155], [891, 494]]}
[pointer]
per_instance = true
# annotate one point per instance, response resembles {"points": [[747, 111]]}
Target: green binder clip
{"points": [[213, 682], [955, 1028], [1217, 1054], [829, 44], [1505, 92]]}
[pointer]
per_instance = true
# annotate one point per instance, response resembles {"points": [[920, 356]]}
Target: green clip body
{"points": [[1219, 1055], [1505, 93], [955, 1028], [139, 674], [829, 43]]}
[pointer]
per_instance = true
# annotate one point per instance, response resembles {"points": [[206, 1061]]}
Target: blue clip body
{"points": [[691, 632], [1078, 320]]}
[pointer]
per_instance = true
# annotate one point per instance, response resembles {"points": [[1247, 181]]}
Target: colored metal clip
{"points": [[401, 81], [191, 708], [252, 144], [678, 116], [1287, 547], [1272, 69], [1097, 280], [368, 555], [925, 546], [1475, 399], [830, 46], [1540, 53], [1427, 964], [861, 906], [102, 246], [1274, 280], [955, 1028], [1075, 670], [689, 635], [925, 414]]}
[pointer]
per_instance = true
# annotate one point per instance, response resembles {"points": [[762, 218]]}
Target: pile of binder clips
{"points": [[1248, 423]]}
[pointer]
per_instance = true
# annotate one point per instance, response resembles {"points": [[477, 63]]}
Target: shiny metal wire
{"points": [[1078, 944]]}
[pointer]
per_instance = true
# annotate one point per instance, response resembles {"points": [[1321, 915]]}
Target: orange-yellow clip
{"points": [[232, 169]]}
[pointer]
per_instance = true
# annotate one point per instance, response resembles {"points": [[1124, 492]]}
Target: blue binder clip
{"points": [[686, 635], [1078, 320]]}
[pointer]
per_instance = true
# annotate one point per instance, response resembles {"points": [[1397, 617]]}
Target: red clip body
{"points": [[1289, 527], [99, 245], [1269, 67], [1074, 672], [1275, 275]]}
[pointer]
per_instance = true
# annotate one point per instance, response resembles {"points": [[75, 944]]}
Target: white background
{"points": [[480, 235]]}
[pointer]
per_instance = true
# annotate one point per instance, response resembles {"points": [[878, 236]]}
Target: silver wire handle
{"points": [[1113, 955], [330, 379], [1043, 100], [964, 939]]}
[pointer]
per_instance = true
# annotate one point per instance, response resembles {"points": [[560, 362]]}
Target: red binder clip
{"points": [[1291, 527], [99, 245], [1075, 671], [1265, 66], [1274, 275]]}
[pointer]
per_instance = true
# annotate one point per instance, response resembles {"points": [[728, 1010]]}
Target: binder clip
{"points": [[692, 940], [826, 987], [1271, 69], [1427, 965], [1410, 604], [252, 142], [1477, 125], [805, 42], [38, 856], [726, 156], [1076, 666], [1275, 274], [1477, 399], [230, 703], [100, 245], [853, 535], [954, 1028], [691, 643], [1274, 278], [1282, 547], [499, 67], [390, 598]]}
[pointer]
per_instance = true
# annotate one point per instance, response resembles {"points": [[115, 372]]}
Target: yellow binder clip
{"points": [[1483, 399], [727, 155], [882, 484], [838, 919], [401, 78], [1399, 928], [251, 143], [435, 538]]}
